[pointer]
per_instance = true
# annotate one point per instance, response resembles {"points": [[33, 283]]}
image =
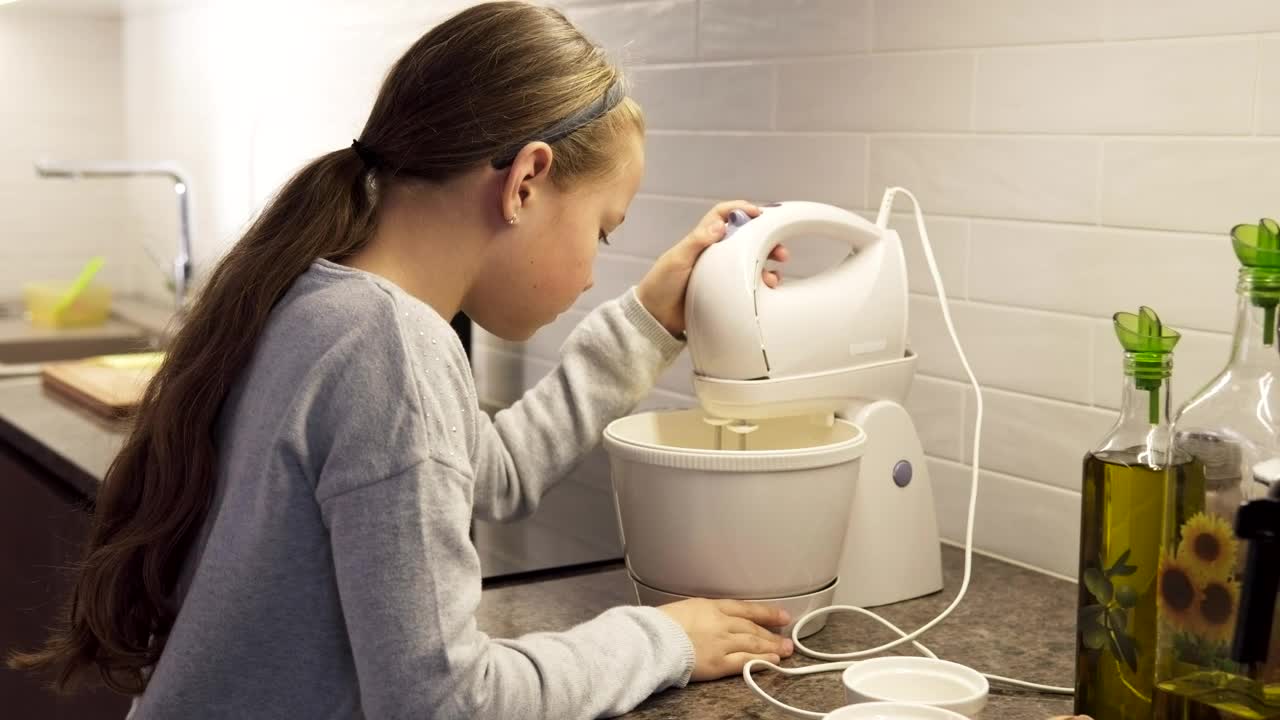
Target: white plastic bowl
{"points": [[796, 606], [767, 522], [917, 680], [891, 711]]}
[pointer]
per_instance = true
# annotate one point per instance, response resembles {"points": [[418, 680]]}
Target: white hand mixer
{"points": [[835, 345]]}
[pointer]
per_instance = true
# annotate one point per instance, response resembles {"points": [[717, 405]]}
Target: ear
{"points": [[528, 175]]}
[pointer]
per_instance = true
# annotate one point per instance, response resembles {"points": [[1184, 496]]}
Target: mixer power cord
{"points": [[844, 660]]}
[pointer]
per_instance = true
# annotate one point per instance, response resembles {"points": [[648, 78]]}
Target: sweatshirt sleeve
{"points": [[409, 582], [608, 364]]}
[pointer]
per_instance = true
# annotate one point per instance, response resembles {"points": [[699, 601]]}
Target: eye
{"points": [[604, 237]]}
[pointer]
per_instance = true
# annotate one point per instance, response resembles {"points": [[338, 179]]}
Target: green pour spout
{"points": [[1258, 247], [1148, 341]]}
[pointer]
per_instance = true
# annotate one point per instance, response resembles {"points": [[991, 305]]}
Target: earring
{"points": [[512, 220]]}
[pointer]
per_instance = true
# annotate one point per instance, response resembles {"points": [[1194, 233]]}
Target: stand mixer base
{"points": [[796, 605]]}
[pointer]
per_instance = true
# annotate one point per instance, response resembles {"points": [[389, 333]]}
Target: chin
{"points": [[512, 333]]}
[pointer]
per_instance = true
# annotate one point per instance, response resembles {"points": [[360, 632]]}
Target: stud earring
{"points": [[512, 220]]}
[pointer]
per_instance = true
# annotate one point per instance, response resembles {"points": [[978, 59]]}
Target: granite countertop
{"points": [[1014, 622], [66, 439]]}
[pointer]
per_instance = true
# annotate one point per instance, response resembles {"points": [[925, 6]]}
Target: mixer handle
{"points": [[786, 221]]}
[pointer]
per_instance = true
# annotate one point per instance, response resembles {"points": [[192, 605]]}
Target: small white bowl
{"points": [[797, 606], [917, 680], [891, 711]]}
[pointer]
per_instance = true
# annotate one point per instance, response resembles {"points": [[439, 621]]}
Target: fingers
{"points": [[722, 210], [757, 613], [746, 627], [708, 233], [711, 228], [772, 278], [734, 663], [756, 645]]}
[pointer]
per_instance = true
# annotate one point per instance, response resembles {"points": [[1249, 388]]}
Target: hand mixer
{"points": [[834, 344]]}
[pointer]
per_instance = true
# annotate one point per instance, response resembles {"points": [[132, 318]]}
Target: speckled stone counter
{"points": [[70, 442], [1014, 622]]}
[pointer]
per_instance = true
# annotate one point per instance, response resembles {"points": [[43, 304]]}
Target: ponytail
{"points": [[463, 95], [156, 494]]}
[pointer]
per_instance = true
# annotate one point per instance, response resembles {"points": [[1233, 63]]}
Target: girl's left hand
{"points": [[662, 289]]}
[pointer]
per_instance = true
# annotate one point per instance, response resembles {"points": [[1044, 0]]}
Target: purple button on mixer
{"points": [[737, 219], [902, 473]]}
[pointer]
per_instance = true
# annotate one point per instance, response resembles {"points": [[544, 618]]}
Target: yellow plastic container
{"points": [[90, 309]]}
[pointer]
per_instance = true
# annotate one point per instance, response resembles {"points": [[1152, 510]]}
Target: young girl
{"points": [[285, 532]]}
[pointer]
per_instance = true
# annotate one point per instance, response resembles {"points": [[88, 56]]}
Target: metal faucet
{"points": [[181, 187]]}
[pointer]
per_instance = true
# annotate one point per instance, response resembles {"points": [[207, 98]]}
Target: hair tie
{"points": [[367, 155]]}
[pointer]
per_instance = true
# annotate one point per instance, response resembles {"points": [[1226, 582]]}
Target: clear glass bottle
{"points": [[1132, 480], [1248, 688], [1231, 428]]}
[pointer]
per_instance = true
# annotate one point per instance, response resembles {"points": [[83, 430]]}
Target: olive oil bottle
{"points": [[1134, 484]]}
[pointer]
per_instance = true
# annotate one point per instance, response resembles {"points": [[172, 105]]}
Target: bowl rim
{"points": [[971, 678], [825, 589], [939, 713], [804, 458]]}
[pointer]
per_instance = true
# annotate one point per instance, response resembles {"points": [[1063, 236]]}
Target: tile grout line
{"points": [[697, 29], [1099, 182], [1257, 88]]}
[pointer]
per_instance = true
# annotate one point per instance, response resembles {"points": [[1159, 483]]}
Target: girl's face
{"points": [[538, 267]]}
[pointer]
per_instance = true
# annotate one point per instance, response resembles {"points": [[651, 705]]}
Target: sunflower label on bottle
{"points": [[1229, 427], [1199, 593]]}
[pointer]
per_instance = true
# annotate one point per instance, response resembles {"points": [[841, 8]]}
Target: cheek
{"points": [[572, 253]]}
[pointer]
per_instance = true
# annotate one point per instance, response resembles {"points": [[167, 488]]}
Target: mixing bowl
{"points": [[767, 521]]}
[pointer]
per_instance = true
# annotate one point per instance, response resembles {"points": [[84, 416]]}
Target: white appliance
{"points": [[778, 370], [798, 385]]}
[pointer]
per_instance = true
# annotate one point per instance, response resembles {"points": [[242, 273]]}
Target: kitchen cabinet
{"points": [[43, 524]]}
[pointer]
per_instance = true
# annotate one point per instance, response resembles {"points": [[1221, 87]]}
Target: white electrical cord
{"points": [[849, 658]]}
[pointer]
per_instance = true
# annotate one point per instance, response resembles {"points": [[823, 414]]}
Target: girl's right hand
{"points": [[727, 633]]}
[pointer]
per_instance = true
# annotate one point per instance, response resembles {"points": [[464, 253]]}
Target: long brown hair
{"points": [[490, 78]]}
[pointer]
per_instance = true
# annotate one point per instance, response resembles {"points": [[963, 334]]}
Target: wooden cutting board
{"points": [[110, 385]]}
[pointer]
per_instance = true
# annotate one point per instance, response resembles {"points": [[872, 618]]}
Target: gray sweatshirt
{"points": [[335, 577]]}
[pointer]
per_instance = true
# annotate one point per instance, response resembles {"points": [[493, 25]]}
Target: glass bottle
{"points": [[1132, 480], [1248, 688], [1231, 428]]}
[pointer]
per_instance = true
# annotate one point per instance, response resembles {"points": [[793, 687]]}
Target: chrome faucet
{"points": [[181, 187]]}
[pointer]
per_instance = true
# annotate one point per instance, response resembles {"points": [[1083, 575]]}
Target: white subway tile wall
{"points": [[931, 24], [763, 167], [877, 92], [1188, 18], [1200, 86], [1074, 159], [782, 28], [64, 100], [1033, 178], [1268, 99]]}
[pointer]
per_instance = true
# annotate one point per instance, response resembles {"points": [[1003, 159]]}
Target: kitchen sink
{"points": [[41, 350], [23, 347]]}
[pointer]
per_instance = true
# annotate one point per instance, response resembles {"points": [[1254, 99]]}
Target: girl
{"points": [[285, 532]]}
